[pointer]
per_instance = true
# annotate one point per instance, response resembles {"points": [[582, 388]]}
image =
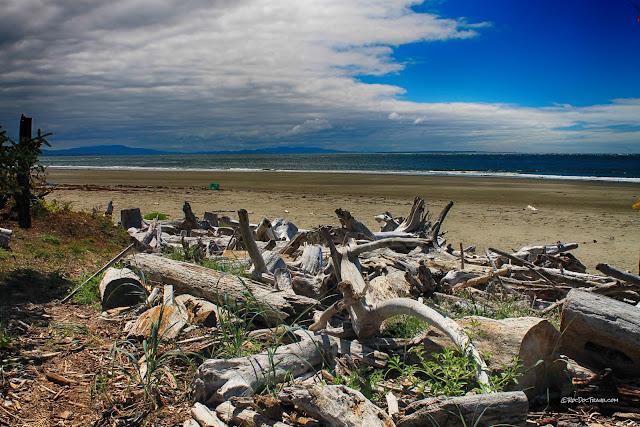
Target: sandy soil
{"points": [[487, 211]]}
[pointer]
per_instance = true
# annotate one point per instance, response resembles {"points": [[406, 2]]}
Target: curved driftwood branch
{"points": [[259, 265], [435, 228]]}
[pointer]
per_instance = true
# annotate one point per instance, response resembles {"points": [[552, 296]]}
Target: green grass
{"points": [[48, 238], [89, 293], [404, 326], [154, 215], [5, 336]]}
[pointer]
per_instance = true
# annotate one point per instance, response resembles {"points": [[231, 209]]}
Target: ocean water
{"points": [[596, 167]]}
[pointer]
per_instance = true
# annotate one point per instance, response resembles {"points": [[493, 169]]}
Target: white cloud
{"points": [[243, 72]]}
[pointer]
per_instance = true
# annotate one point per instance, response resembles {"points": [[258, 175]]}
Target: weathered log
{"points": [[109, 210], [353, 225], [273, 261], [393, 284], [259, 265], [121, 288], [529, 253], [130, 218], [203, 311], [336, 405], [294, 243], [5, 236], [482, 280], [217, 380], [245, 416], [618, 274], [284, 281], [415, 221], [190, 221], [509, 408], [283, 229], [601, 332], [311, 259], [170, 318], [212, 219], [434, 232], [205, 416], [214, 286]]}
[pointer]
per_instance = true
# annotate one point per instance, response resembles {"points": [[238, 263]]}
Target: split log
{"points": [[121, 288], [601, 332], [205, 417], [508, 408], [311, 259], [130, 218], [5, 236], [336, 405], [170, 318], [245, 416], [214, 286], [217, 380], [353, 225], [283, 229]]}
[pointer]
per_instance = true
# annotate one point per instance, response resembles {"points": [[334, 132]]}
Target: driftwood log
{"points": [[336, 406], [217, 380], [170, 318], [601, 332], [130, 218], [244, 416], [508, 408], [214, 286], [5, 236], [121, 288]]}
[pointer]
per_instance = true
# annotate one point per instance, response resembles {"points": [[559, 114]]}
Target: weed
{"points": [[404, 326], [5, 336], [90, 292], [4, 254]]}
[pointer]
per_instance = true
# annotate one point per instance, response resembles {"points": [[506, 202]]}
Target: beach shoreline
{"points": [[506, 213]]}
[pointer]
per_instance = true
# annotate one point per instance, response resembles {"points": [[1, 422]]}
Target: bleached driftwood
{"points": [[390, 223], [336, 406], [283, 229], [366, 316], [508, 408], [245, 416], [618, 274], [170, 316], [601, 332], [353, 225], [482, 280], [311, 259], [259, 265], [217, 380], [204, 312], [415, 221], [205, 417], [215, 286], [121, 288], [529, 253], [264, 231], [5, 236]]}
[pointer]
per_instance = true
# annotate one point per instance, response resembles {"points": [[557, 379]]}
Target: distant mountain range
{"points": [[123, 150]]}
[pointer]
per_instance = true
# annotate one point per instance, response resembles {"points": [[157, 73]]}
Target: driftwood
{"points": [[212, 219], [264, 231], [353, 225], [283, 229], [245, 416], [217, 380], [390, 223], [482, 280], [214, 286], [415, 221], [121, 288], [311, 259], [130, 218], [5, 236], [205, 417], [601, 332], [204, 312], [509, 408], [336, 406], [170, 318], [109, 210], [534, 341], [529, 253], [618, 274]]}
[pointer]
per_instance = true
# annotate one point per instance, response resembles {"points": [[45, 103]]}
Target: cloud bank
{"points": [[233, 74]]}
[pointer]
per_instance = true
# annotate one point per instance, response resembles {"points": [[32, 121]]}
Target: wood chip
{"points": [[58, 379]]}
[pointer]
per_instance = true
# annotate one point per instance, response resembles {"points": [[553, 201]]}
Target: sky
{"points": [[359, 75]]}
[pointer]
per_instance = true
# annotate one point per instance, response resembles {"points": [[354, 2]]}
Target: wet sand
{"points": [[487, 211]]}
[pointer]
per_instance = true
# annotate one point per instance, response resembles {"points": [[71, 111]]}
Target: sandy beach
{"points": [[487, 211]]}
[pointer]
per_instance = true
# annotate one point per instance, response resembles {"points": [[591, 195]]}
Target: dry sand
{"points": [[487, 211]]}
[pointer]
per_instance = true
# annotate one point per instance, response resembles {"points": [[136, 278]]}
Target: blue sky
{"points": [[380, 75]]}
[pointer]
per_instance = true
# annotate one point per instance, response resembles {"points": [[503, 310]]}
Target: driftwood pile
{"points": [[335, 286]]}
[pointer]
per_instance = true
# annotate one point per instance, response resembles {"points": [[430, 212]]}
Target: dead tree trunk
{"points": [[336, 406], [214, 286], [601, 332], [508, 408]]}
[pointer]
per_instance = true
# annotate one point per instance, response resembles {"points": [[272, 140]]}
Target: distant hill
{"points": [[123, 150]]}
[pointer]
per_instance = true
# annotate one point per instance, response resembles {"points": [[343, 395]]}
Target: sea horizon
{"points": [[581, 167]]}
